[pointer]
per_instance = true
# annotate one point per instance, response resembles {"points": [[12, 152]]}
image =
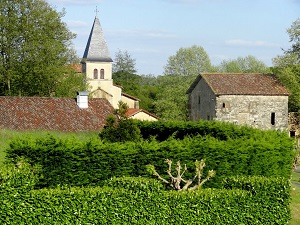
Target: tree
{"points": [[249, 64], [123, 130], [70, 83], [124, 63], [294, 34], [287, 67], [290, 77], [171, 98], [188, 62], [35, 46], [179, 73], [175, 182]]}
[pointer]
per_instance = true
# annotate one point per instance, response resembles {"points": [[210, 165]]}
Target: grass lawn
{"points": [[295, 204]]}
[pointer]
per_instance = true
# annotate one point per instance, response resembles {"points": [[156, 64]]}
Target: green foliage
{"points": [[188, 62], [179, 73], [34, 48], [124, 63], [248, 64], [134, 201], [171, 99], [294, 34], [70, 83], [290, 77], [136, 184], [19, 177], [125, 130], [141, 87], [227, 149]]}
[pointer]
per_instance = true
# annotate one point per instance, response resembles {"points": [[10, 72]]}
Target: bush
{"points": [[137, 203], [126, 130], [77, 163]]}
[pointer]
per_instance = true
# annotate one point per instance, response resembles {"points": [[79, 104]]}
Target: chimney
{"points": [[82, 99]]}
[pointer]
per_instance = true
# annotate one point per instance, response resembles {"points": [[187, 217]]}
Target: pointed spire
{"points": [[96, 47]]}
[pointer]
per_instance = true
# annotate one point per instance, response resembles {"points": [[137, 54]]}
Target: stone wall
{"points": [[202, 102], [265, 112]]}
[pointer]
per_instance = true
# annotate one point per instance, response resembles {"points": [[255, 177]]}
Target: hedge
{"points": [[77, 163], [162, 130], [139, 203]]}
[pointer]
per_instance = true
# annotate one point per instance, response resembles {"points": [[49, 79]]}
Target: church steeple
{"points": [[96, 48]]}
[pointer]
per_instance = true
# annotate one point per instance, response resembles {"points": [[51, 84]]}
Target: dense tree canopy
{"points": [[188, 62], [179, 73], [248, 64], [35, 46]]}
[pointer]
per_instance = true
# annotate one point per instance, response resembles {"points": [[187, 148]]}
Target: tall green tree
{"points": [[179, 73], [188, 62], [34, 48], [287, 67], [248, 64], [294, 34], [124, 63]]}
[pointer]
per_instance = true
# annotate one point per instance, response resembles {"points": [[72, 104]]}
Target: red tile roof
{"points": [[242, 84], [77, 67], [62, 114], [131, 112]]}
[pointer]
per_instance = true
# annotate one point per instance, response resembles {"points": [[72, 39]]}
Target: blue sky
{"points": [[153, 30]]}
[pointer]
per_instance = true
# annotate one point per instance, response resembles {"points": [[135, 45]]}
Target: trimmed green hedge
{"points": [[136, 201], [162, 130], [76, 163]]}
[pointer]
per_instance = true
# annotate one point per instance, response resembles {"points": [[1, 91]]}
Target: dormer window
{"points": [[102, 74], [95, 74]]}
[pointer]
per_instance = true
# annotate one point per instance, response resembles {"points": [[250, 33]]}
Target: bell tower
{"points": [[97, 65]]}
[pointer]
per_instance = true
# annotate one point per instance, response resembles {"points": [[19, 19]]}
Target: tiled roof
{"points": [[242, 84], [131, 112], [77, 67], [62, 114], [96, 47]]}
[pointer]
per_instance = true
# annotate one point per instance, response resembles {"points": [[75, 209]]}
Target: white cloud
{"points": [[247, 43], [76, 23], [155, 34]]}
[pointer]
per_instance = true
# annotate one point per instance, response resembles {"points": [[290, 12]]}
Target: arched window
{"points": [[102, 74], [95, 74]]}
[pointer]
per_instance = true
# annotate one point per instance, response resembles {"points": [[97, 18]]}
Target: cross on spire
{"points": [[96, 11]]}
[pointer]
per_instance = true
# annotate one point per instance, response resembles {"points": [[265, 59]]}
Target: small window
{"points": [[273, 118], [224, 105], [102, 74], [199, 99], [95, 74], [208, 117], [292, 133]]}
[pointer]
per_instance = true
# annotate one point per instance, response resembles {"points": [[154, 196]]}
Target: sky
{"points": [[153, 30]]}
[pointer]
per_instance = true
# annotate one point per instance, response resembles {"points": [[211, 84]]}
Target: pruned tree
{"points": [[176, 181]]}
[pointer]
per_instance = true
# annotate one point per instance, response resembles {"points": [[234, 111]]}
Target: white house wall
{"points": [[143, 116]]}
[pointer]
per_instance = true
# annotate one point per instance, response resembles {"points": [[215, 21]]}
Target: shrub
{"points": [[135, 202], [73, 162]]}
